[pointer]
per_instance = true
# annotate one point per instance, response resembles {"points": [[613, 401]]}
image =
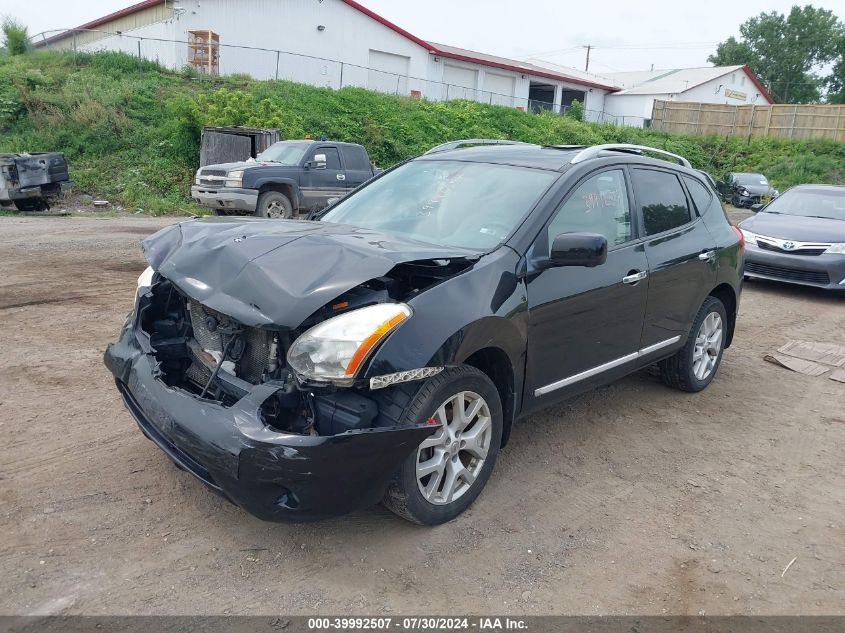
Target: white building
{"points": [[331, 43], [633, 103]]}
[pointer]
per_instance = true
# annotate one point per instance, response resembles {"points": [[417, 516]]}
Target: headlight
{"points": [[750, 238], [838, 249], [334, 350], [235, 178], [744, 192], [145, 280], [197, 177]]}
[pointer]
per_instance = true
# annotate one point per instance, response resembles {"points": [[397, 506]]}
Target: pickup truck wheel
{"points": [[274, 204], [447, 472], [696, 363]]}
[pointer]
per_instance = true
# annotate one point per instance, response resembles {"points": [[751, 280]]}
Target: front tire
{"points": [[274, 205], [31, 204], [693, 367], [448, 471]]}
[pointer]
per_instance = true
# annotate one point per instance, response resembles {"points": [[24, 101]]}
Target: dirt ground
{"points": [[634, 499]]}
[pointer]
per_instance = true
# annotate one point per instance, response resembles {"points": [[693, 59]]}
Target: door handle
{"points": [[707, 256], [634, 278], [341, 177]]}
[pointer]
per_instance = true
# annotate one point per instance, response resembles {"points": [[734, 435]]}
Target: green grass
{"points": [[131, 130]]}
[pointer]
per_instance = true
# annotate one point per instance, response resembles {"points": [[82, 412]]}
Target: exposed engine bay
{"points": [[214, 357]]}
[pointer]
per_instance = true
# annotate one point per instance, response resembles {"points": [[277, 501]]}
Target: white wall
{"points": [[714, 91], [629, 109], [358, 41], [167, 54]]}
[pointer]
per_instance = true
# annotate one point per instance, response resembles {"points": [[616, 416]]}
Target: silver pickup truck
{"points": [[30, 181]]}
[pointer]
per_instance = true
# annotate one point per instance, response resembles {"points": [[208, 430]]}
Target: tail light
{"points": [[740, 236]]}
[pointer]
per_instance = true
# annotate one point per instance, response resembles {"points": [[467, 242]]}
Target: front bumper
{"points": [[225, 198], [820, 271], [274, 476]]}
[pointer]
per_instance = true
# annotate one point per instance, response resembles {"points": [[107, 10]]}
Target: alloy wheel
{"points": [[708, 345], [449, 461], [275, 210]]}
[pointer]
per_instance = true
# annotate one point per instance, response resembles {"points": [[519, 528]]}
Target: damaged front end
{"points": [[221, 398]]}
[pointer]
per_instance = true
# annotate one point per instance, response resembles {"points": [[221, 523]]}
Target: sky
{"points": [[625, 35]]}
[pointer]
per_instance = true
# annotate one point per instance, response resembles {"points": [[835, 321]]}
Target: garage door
{"points": [[388, 72], [461, 82], [498, 89]]}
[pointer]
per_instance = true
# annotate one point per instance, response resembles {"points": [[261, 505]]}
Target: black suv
{"points": [[305, 369]]}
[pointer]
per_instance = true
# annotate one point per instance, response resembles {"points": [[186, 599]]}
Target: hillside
{"points": [[131, 130]]}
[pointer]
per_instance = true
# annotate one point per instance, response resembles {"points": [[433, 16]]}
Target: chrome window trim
{"points": [[589, 373]]}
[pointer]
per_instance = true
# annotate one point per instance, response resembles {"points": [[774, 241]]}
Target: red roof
{"points": [[756, 81], [442, 50]]}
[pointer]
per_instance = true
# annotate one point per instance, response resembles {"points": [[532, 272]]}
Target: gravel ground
{"points": [[632, 499]]}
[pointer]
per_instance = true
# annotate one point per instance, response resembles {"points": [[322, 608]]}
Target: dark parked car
{"points": [[745, 190], [288, 178], [799, 238], [305, 369]]}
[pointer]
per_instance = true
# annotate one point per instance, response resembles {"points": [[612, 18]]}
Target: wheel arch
{"points": [[289, 188], [727, 295], [496, 365]]}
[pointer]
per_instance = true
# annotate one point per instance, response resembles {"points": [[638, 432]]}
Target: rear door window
{"points": [[661, 199], [700, 194], [354, 158]]}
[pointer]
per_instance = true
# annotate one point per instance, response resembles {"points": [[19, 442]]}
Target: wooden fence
{"points": [[776, 121]]}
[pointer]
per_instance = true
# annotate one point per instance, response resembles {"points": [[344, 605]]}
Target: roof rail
{"points": [[445, 147], [596, 150]]}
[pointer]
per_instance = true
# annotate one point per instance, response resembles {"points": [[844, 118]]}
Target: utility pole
{"points": [[587, 65]]}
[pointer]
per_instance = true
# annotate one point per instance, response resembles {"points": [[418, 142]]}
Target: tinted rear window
{"points": [[354, 158], [701, 195], [661, 199]]}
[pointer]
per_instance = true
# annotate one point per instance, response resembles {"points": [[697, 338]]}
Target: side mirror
{"points": [[318, 162], [756, 207], [579, 249]]}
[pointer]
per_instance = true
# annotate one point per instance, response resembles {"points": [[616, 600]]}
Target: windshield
{"points": [[751, 180], [818, 203], [451, 203], [285, 152]]}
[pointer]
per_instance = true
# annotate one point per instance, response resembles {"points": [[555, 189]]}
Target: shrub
{"points": [[131, 131], [576, 111], [15, 36]]}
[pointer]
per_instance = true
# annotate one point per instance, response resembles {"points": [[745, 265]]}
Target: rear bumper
{"points": [[274, 476], [226, 198], [819, 271], [50, 190]]}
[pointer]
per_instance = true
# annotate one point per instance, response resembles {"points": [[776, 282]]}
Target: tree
{"points": [[836, 79], [785, 51]]}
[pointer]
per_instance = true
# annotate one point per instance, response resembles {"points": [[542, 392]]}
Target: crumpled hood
{"points": [[276, 273], [796, 227]]}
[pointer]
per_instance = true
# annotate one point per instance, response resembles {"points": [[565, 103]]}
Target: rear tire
{"points": [[446, 473], [693, 367], [275, 205]]}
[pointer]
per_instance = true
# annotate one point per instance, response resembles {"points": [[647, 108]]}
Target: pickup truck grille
{"points": [[213, 172]]}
